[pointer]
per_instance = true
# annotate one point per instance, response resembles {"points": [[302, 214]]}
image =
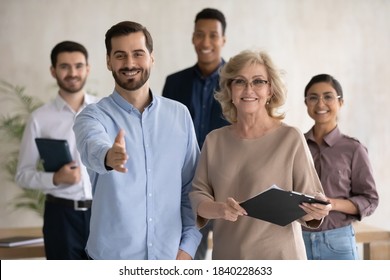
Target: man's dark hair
{"points": [[124, 28], [326, 78], [67, 46], [210, 13]]}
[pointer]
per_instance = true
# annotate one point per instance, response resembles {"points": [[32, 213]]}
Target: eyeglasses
{"points": [[328, 99], [241, 84]]}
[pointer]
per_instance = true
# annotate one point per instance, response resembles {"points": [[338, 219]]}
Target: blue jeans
{"points": [[335, 244]]}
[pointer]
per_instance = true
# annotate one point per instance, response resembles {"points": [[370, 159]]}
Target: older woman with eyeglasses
{"points": [[245, 158], [345, 172]]}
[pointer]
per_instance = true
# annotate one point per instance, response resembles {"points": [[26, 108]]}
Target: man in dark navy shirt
{"points": [[196, 85]]}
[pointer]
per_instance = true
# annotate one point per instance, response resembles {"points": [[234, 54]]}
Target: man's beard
{"points": [[131, 84], [71, 89]]}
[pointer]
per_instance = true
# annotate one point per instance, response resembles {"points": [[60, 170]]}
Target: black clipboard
{"points": [[278, 206], [54, 153]]}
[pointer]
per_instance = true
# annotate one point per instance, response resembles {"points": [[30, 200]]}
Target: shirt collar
{"points": [[88, 99], [128, 107], [213, 75], [330, 139], [60, 103]]}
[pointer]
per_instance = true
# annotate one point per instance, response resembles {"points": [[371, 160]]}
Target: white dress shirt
{"points": [[53, 120]]}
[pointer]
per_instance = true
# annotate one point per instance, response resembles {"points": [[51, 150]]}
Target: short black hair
{"points": [[325, 78], [124, 28], [67, 46], [210, 13]]}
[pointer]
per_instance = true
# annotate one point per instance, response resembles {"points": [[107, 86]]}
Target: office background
{"points": [[349, 39]]}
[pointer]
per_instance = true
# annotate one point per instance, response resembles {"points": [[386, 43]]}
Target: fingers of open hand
{"points": [[119, 161], [117, 157]]}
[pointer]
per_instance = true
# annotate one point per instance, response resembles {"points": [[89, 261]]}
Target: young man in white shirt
{"points": [[68, 190]]}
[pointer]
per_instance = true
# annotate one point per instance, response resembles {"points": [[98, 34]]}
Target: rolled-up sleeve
{"points": [[363, 193]]}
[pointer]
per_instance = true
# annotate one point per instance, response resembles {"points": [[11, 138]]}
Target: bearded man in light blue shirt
{"points": [[141, 152]]}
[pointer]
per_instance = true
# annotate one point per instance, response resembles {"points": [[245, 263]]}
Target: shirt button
{"points": [[150, 219], [150, 244]]}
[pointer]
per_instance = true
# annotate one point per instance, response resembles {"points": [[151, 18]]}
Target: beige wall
{"points": [[347, 38]]}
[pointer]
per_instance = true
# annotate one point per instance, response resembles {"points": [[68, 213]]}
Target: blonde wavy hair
{"points": [[231, 69]]}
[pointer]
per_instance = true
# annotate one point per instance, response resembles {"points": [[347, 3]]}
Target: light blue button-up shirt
{"points": [[144, 213]]}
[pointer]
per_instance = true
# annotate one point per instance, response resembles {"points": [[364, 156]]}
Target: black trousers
{"points": [[65, 232]]}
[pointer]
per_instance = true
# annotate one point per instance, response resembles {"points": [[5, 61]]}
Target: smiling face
{"points": [[208, 41], [326, 110], [130, 61], [251, 97], [70, 71]]}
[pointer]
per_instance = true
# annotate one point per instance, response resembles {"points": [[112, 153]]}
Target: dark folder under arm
{"points": [[54, 153], [278, 206]]}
